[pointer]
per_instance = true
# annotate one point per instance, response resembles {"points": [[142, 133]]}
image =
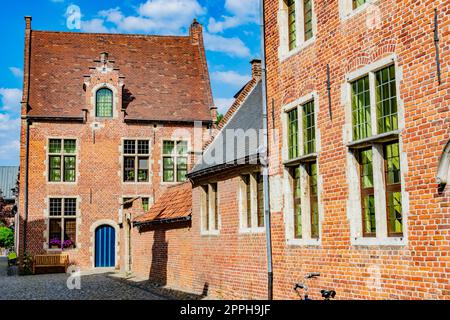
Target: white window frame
{"points": [[77, 217], [208, 212], [242, 196], [288, 185], [354, 210], [283, 27], [346, 10], [175, 156], [62, 154], [136, 155]]}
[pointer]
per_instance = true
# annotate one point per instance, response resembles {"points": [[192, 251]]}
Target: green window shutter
{"points": [[104, 103], [145, 204], [386, 100], [361, 119], [309, 128], [293, 133]]}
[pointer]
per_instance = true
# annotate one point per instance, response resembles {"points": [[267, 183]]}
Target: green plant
{"points": [[6, 237]]}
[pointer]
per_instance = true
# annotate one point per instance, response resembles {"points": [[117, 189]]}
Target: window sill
{"points": [[302, 159], [287, 54], [61, 182], [380, 242], [258, 230], [136, 183], [212, 233], [355, 12], [304, 242], [379, 138]]}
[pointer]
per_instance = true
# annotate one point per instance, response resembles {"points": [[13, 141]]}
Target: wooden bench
{"points": [[51, 260]]}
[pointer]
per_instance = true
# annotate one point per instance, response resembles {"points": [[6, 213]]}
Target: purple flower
{"points": [[67, 243], [55, 242]]}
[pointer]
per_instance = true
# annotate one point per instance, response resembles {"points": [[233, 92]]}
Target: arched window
{"points": [[104, 103]]}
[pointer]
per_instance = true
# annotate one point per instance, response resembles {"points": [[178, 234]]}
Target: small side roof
{"points": [[174, 205]]}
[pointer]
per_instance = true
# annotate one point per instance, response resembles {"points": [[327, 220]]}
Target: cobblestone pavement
{"points": [[94, 286]]}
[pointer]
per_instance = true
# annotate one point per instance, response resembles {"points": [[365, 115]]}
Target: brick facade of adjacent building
{"points": [[419, 266]]}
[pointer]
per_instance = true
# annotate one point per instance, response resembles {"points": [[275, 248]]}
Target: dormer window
{"points": [[104, 103]]}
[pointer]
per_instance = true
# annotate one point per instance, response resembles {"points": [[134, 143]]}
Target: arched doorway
{"points": [[105, 246]]}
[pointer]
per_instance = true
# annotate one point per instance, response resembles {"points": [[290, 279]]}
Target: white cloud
{"points": [[231, 46], [223, 104], [166, 17], [158, 16], [94, 26], [17, 72], [242, 12], [230, 77], [10, 99]]}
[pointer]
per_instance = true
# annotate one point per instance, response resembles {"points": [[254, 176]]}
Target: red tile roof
{"points": [[174, 203], [166, 75]]}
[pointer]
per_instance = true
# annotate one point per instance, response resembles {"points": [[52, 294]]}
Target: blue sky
{"points": [[231, 33]]}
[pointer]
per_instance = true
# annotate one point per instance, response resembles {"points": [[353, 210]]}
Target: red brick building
{"points": [[359, 160], [360, 127], [208, 237], [106, 119]]}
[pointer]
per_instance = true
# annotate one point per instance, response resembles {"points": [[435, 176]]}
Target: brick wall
{"points": [[421, 268], [99, 186]]}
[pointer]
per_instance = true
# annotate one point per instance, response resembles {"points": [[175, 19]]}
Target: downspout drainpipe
{"points": [[265, 158]]}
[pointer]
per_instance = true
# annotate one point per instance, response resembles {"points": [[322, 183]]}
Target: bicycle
{"points": [[326, 294]]}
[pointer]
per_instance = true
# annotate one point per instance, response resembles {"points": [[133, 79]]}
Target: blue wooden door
{"points": [[105, 246]]}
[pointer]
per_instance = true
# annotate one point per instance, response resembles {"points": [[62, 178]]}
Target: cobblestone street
{"points": [[94, 286]]}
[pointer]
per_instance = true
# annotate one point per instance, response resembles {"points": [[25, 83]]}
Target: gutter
{"points": [[265, 163], [248, 160], [58, 118], [161, 221], [139, 120]]}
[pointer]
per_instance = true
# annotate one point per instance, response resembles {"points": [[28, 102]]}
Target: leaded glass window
{"points": [[386, 99], [367, 192], [358, 3], [297, 203], [311, 169], [136, 160], [308, 15], [361, 120], [62, 160], [62, 223], [293, 133], [175, 161], [393, 189], [309, 128], [104, 103], [292, 29]]}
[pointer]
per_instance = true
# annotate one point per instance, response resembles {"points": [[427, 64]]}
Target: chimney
{"points": [[196, 32], [256, 68], [28, 22], [213, 111]]}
